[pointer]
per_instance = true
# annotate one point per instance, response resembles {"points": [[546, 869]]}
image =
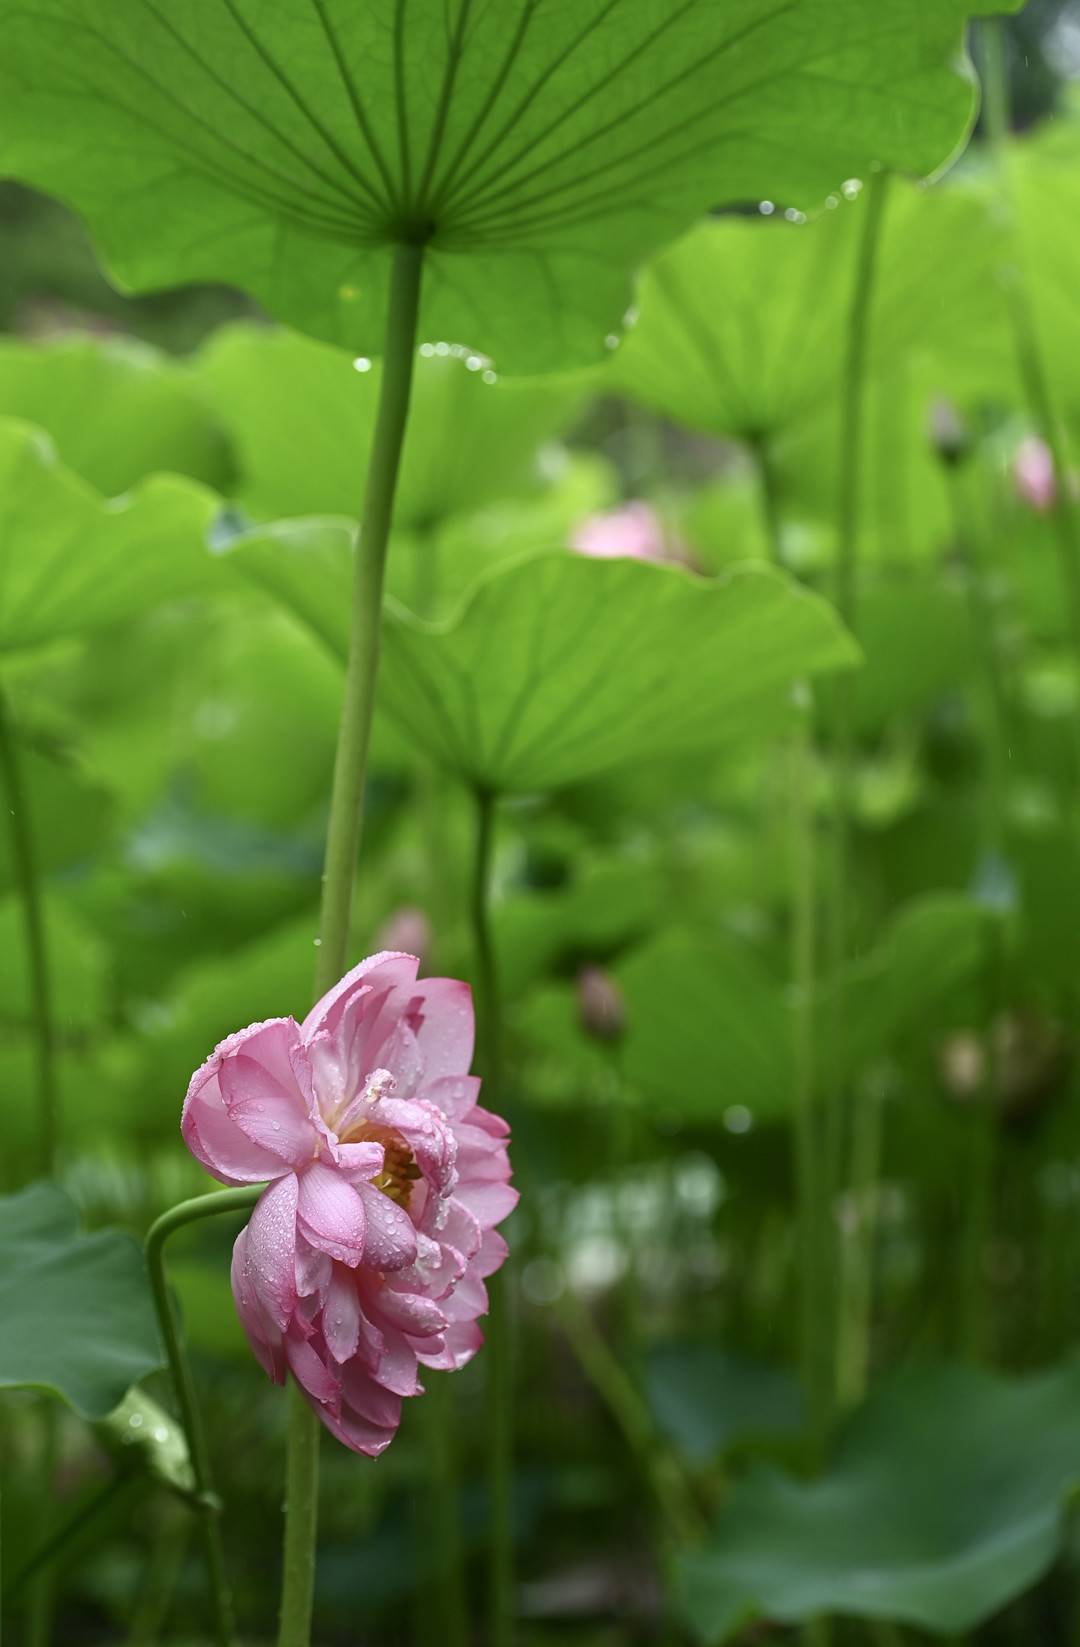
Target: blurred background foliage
{"points": [[176, 716]]}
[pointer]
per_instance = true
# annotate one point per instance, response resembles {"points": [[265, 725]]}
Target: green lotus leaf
{"points": [[302, 418], [742, 323], [78, 1320], [946, 1498], [70, 561], [117, 410], [541, 153]]}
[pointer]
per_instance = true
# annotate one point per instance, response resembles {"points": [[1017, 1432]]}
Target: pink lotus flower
{"points": [[366, 1254], [635, 530]]}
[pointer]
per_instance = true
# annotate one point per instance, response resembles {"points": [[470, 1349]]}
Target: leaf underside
{"points": [[542, 151]]}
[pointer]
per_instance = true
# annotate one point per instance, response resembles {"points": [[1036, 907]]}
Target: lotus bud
{"points": [[601, 1008]]}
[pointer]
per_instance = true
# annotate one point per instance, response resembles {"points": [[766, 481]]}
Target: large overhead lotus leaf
{"points": [[117, 410], [742, 323], [542, 152], [946, 1498], [70, 561], [302, 418], [562, 666], [78, 1320]]}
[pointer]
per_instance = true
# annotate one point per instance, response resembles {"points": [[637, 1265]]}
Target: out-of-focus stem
{"points": [[683, 1524], [28, 888], [499, 1345], [760, 444], [815, 1302], [188, 1212], [815, 1312], [856, 1252]]}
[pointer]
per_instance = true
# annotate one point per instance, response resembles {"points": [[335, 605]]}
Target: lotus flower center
{"points": [[400, 1171]]}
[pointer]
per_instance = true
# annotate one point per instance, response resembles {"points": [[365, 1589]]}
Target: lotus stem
{"points": [[188, 1212], [342, 846]]}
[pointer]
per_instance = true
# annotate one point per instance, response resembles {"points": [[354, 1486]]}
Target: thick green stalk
{"points": [[342, 845], [354, 733], [853, 1310], [499, 1350], [188, 1212], [444, 1525], [29, 893]]}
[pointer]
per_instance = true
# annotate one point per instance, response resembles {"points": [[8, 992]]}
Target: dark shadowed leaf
{"points": [[543, 152], [76, 1308], [708, 1399], [945, 1499]]}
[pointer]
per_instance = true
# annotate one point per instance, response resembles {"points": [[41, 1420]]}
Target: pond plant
{"points": [[618, 569]]}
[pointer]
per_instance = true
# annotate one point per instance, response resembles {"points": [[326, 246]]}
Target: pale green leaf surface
{"points": [[69, 561], [543, 152], [742, 324], [945, 1500], [78, 1320], [302, 417], [117, 410], [562, 666]]}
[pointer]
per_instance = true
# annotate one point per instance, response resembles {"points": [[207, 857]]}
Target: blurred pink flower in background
{"points": [[407, 929], [634, 530], [1033, 474], [365, 1256]]}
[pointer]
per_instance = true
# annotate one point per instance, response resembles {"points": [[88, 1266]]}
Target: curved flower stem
{"points": [[853, 1305], [500, 1445], [29, 892], [187, 1212], [342, 845]]}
